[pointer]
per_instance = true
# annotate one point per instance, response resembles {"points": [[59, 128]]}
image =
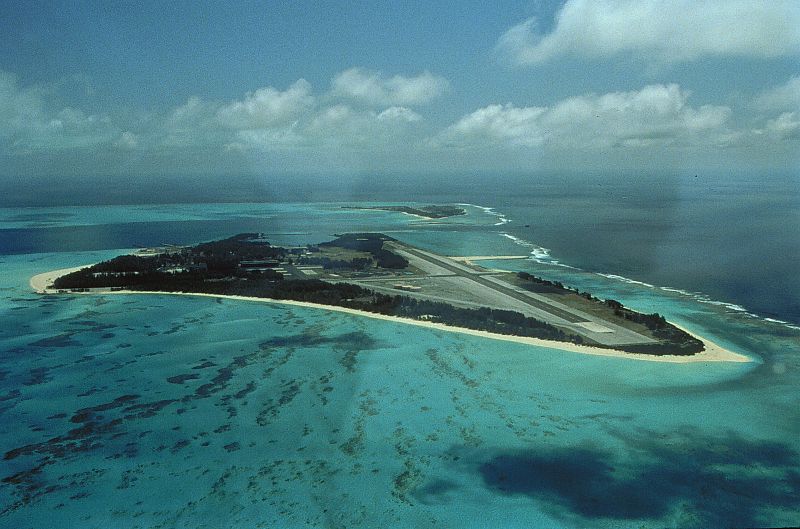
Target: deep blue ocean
{"points": [[162, 411]]}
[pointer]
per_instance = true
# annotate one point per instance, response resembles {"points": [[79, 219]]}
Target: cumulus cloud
{"points": [[265, 119], [345, 117], [193, 123], [267, 107], [294, 122], [264, 113], [654, 115], [784, 127], [504, 123], [18, 106], [666, 31], [28, 123], [275, 139], [782, 97], [127, 140], [343, 125], [194, 109], [398, 114], [372, 88], [783, 100], [272, 119]]}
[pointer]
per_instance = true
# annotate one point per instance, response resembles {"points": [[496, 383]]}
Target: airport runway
{"points": [[500, 294]]}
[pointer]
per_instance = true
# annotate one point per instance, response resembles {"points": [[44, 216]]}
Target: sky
{"points": [[112, 90]]}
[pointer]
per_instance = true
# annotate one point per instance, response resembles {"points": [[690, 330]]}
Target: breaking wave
{"points": [[501, 219], [542, 255], [626, 280]]}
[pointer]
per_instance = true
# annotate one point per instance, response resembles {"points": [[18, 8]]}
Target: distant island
{"points": [[374, 273], [430, 212]]}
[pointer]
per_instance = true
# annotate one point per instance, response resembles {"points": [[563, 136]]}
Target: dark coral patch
{"points": [[357, 340], [180, 379], [59, 340], [37, 376], [204, 365]]}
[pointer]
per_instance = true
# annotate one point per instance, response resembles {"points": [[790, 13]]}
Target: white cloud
{"points": [[28, 123], [399, 114], [266, 139], [190, 111], [266, 114], [297, 124], [782, 97], [333, 117], [663, 30], [127, 140], [334, 126], [783, 100], [263, 120], [372, 88], [654, 115], [343, 125], [505, 123], [18, 106], [267, 107], [785, 127], [192, 124], [344, 119], [270, 119]]}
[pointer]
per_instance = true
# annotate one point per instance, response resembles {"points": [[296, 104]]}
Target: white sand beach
{"points": [[712, 352], [41, 283]]}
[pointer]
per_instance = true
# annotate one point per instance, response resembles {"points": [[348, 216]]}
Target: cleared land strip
{"points": [[500, 294], [496, 285], [418, 295], [468, 258]]}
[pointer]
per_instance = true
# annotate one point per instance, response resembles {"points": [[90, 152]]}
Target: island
{"points": [[428, 212], [376, 275]]}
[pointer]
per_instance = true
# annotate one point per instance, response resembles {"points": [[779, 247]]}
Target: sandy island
{"points": [[713, 352]]}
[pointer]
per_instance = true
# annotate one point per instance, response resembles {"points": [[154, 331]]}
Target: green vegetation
{"points": [[355, 297], [671, 340], [537, 284], [247, 265], [373, 244], [210, 261], [224, 267], [243, 256]]}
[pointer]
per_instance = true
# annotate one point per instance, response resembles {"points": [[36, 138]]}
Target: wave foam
{"points": [[699, 297], [627, 280], [676, 290], [773, 320], [501, 218], [542, 255], [730, 306]]}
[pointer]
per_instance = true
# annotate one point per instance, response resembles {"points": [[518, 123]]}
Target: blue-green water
{"points": [[166, 411]]}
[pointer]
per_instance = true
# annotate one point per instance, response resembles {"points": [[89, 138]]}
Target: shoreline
{"points": [[711, 353], [40, 283], [417, 215]]}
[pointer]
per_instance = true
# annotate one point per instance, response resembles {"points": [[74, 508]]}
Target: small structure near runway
{"points": [[407, 288]]}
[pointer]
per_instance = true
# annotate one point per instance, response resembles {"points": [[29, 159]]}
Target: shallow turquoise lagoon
{"points": [[172, 411]]}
